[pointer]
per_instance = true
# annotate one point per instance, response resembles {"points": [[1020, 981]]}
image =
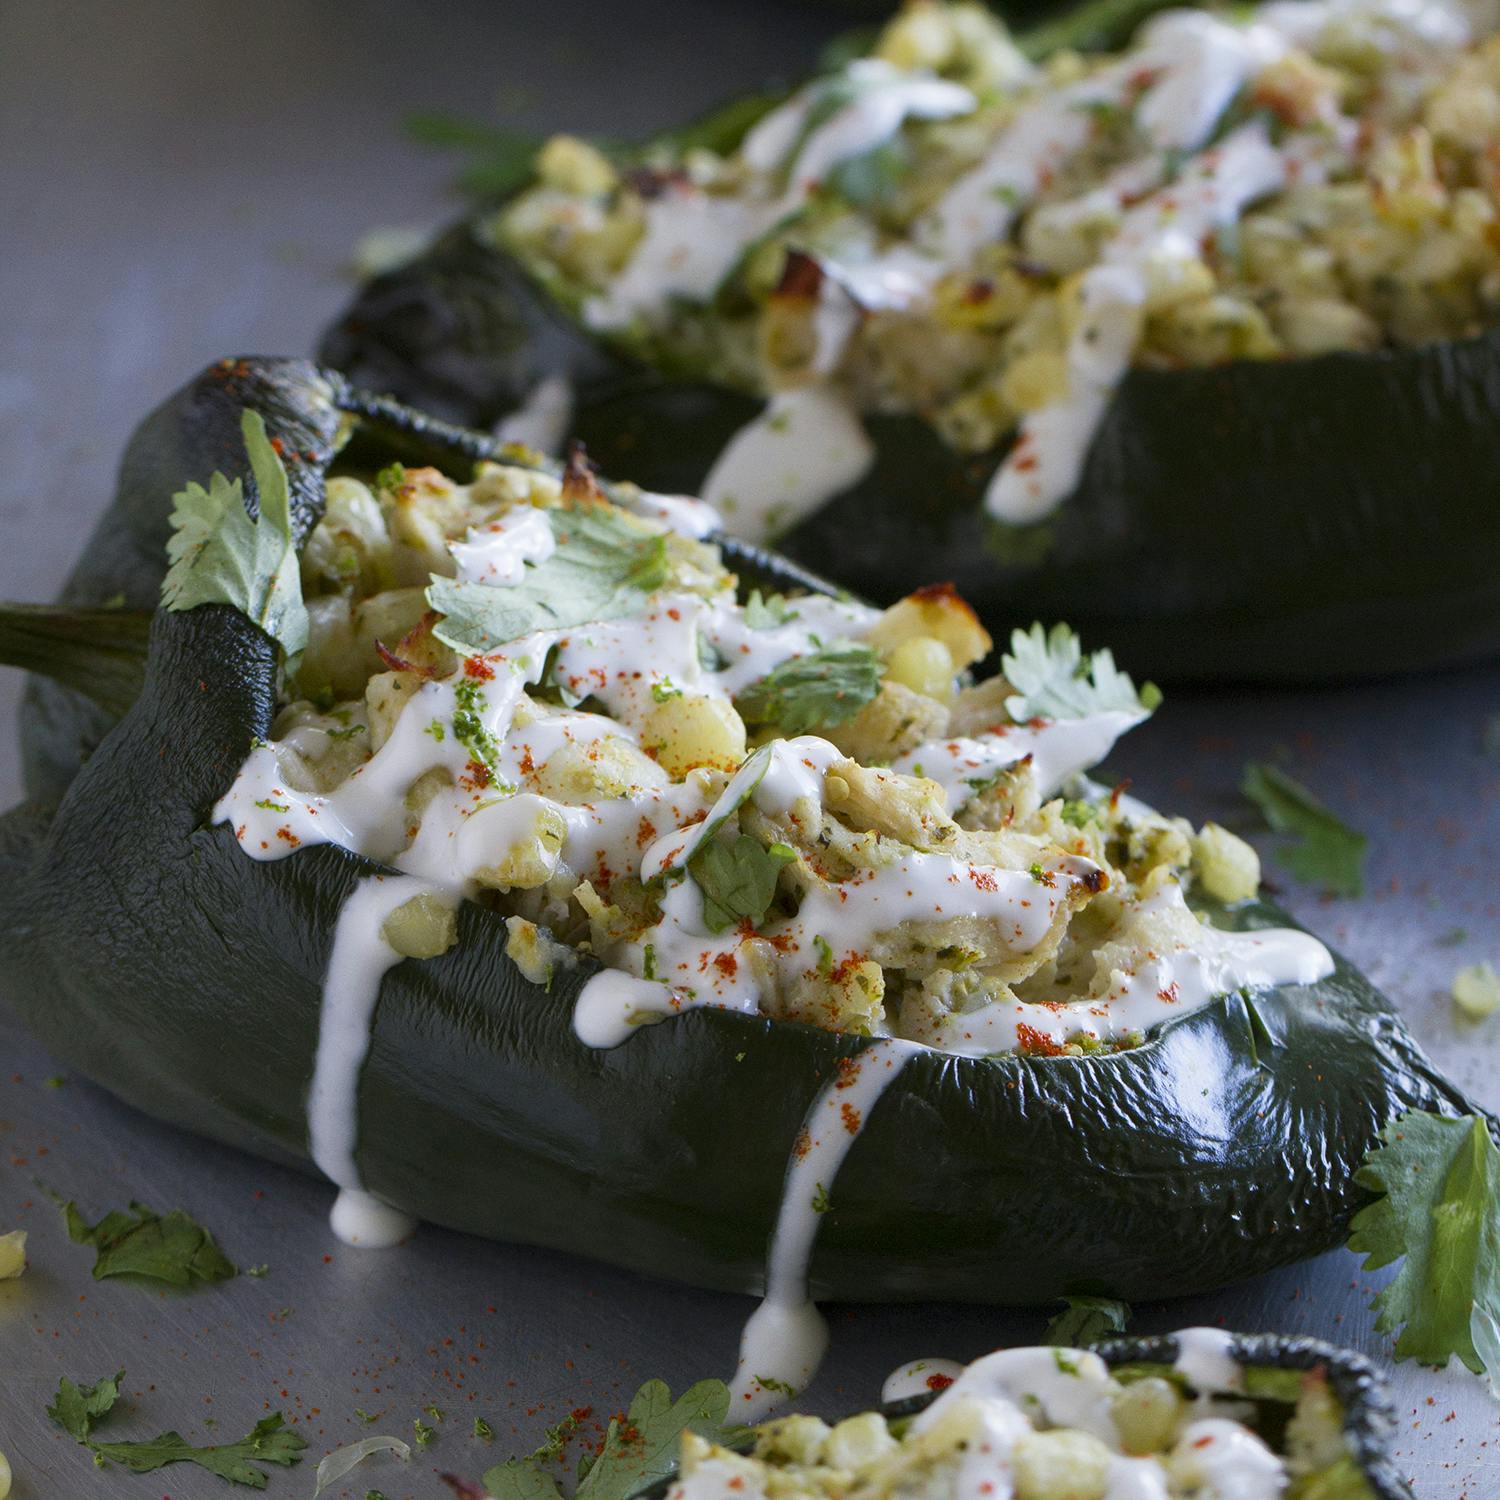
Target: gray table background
{"points": [[180, 181]]}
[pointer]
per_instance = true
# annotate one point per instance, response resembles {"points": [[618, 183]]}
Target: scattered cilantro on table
{"points": [[1053, 679], [1326, 851], [139, 1242], [218, 555], [77, 1409], [1439, 1214], [818, 691], [1085, 1320], [639, 1448]]}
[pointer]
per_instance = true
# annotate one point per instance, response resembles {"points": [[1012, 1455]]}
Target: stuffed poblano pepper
{"points": [[479, 836], [1192, 342], [1201, 1413]]}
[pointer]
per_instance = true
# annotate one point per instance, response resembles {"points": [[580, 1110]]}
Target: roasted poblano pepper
{"points": [[1313, 518], [1323, 1412], [146, 950]]}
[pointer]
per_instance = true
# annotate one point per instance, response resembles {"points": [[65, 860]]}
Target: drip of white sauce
{"points": [[786, 1337], [1206, 1360], [920, 1378], [807, 446], [542, 420], [1046, 461], [360, 959]]}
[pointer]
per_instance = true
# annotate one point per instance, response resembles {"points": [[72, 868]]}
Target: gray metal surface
{"points": [[183, 180]]}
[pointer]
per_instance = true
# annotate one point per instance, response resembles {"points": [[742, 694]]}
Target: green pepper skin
{"points": [[1300, 521], [151, 954]]}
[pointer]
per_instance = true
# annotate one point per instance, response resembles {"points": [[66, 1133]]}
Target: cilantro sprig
{"points": [[77, 1410], [1439, 1214], [1326, 850], [603, 565], [218, 555], [818, 691], [639, 1448], [1086, 1320], [1053, 679]]}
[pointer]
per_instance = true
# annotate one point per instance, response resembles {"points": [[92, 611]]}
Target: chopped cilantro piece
{"points": [[737, 878], [76, 1409], [1326, 849], [482, 1430], [664, 691], [821, 1202], [171, 1248], [818, 691], [767, 611], [825, 954], [1085, 1320]]}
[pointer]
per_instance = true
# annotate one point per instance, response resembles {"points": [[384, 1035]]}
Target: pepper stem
{"points": [[100, 653]]}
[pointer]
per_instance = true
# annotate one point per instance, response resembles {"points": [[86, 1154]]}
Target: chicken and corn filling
{"points": [[528, 694], [1053, 1424], [943, 228]]}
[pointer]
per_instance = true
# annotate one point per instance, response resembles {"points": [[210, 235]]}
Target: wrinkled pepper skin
{"points": [[1300, 521], [150, 953]]}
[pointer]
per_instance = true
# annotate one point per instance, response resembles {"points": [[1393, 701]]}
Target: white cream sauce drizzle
{"points": [[360, 959], [919, 1378], [1203, 963], [786, 1337], [1206, 1360], [542, 420], [1046, 461], [497, 553], [1059, 750], [807, 446]]}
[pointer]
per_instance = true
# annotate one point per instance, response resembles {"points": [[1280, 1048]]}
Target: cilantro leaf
{"points": [[1086, 1320], [1053, 679], [174, 1248], [1440, 1210], [737, 879], [638, 1450], [267, 1442], [499, 160], [1327, 850], [817, 691], [604, 566], [76, 1408], [520, 1479], [767, 611], [218, 555]]}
